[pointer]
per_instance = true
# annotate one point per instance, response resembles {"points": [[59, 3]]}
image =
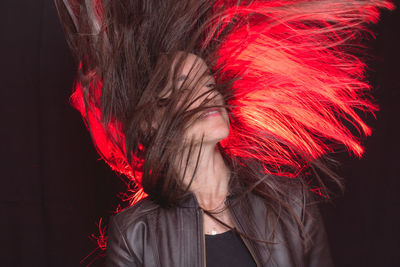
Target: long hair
{"points": [[288, 71]]}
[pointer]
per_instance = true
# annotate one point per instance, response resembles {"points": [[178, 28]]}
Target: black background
{"points": [[54, 189]]}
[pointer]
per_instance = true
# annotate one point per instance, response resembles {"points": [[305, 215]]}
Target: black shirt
{"points": [[227, 249]]}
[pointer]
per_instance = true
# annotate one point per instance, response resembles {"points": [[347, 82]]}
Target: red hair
{"points": [[298, 79]]}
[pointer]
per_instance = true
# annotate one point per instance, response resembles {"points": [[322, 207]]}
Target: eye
{"points": [[210, 85], [210, 81]]}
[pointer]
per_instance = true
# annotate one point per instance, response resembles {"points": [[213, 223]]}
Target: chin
{"points": [[214, 129], [212, 135], [216, 135]]}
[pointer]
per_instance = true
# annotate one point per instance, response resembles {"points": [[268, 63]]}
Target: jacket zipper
{"points": [[243, 239]]}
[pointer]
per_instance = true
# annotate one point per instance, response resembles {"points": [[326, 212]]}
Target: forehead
{"points": [[190, 65]]}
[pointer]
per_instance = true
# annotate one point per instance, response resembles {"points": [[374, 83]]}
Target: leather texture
{"points": [[149, 235]]}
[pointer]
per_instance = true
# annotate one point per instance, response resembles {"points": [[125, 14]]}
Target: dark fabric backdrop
{"points": [[54, 188]]}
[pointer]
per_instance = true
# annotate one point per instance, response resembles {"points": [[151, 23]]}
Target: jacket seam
{"points": [[124, 240]]}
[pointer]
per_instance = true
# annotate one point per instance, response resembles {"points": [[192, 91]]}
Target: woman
{"points": [[217, 111], [148, 235]]}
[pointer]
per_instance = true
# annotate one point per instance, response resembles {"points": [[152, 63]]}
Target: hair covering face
{"points": [[288, 72]]}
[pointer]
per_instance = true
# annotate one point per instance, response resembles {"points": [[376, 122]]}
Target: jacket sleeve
{"points": [[118, 253], [317, 246]]}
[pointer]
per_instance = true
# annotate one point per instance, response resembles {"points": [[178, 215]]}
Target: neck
{"points": [[210, 182]]}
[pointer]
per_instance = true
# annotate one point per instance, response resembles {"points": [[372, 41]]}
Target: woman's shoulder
{"points": [[126, 229], [138, 212]]}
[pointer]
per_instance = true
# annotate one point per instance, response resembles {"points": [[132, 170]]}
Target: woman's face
{"points": [[194, 78]]}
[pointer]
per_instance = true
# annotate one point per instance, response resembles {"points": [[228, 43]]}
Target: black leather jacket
{"points": [[148, 235]]}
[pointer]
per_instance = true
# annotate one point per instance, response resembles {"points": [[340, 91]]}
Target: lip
{"points": [[215, 112]]}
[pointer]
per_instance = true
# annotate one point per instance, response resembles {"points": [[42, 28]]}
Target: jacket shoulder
{"points": [[125, 231], [135, 213]]}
